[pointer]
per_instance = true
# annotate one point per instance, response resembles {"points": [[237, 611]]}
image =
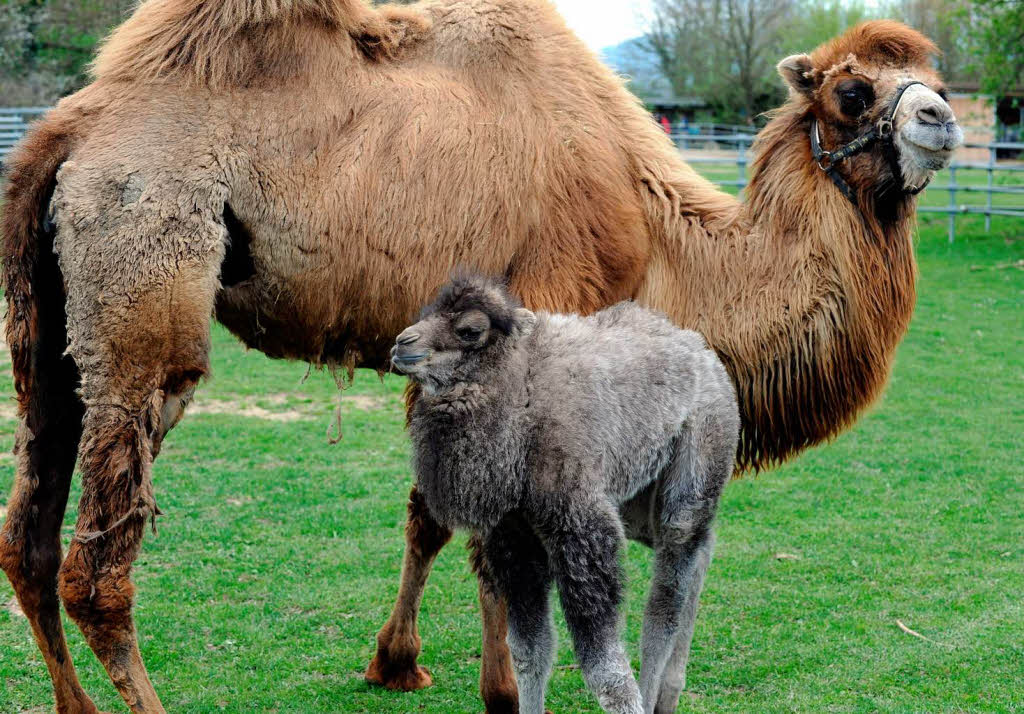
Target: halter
{"points": [[828, 161]]}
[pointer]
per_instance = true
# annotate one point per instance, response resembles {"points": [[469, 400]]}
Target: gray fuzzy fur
{"points": [[553, 438]]}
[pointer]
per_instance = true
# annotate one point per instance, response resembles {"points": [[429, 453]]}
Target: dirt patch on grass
{"points": [[365, 403], [13, 608], [282, 407], [8, 408], [237, 408], [270, 407], [5, 358]]}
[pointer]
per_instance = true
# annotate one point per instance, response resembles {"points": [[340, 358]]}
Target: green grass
{"points": [[278, 555]]}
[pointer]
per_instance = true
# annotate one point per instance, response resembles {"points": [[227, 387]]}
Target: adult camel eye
{"points": [[854, 97], [853, 102], [469, 334]]}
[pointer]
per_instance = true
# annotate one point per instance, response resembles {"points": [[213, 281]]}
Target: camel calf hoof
{"points": [[500, 695], [505, 706], [408, 678]]}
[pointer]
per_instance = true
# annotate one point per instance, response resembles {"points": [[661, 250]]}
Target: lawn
{"points": [[278, 555]]}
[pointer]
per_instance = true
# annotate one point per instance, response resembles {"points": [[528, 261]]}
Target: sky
{"points": [[602, 23]]}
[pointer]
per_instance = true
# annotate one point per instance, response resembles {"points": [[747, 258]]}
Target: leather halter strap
{"points": [[828, 161]]}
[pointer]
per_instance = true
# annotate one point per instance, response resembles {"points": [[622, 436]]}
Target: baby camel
{"points": [[554, 436]]}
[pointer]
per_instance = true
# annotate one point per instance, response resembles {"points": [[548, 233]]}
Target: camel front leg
{"points": [[398, 642], [497, 680]]}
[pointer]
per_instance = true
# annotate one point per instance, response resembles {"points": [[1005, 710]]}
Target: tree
{"points": [[722, 50], [995, 44], [725, 50], [14, 35], [814, 22], [46, 45], [940, 21]]}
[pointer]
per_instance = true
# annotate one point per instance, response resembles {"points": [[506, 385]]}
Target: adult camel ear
{"points": [[524, 321], [798, 72]]}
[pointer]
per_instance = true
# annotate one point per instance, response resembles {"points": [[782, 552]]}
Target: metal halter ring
{"points": [[885, 128], [825, 160]]}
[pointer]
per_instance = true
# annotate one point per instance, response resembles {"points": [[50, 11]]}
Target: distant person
{"points": [[666, 124]]}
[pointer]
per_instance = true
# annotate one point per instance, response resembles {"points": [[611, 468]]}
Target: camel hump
{"points": [[208, 40]]}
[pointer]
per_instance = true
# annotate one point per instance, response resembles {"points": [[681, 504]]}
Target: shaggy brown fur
{"points": [[46, 441], [314, 169], [29, 186], [882, 43], [236, 43]]}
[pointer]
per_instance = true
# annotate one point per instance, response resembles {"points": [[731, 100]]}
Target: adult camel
{"points": [[310, 171]]}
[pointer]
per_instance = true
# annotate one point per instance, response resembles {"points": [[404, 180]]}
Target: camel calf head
{"points": [[471, 322]]}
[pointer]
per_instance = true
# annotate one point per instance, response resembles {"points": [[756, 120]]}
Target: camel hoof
{"points": [[399, 679], [501, 702]]}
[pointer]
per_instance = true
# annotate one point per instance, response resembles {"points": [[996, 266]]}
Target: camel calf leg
{"points": [[673, 680], [516, 569], [398, 642], [498, 687]]}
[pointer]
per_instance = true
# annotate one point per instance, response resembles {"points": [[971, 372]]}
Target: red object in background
{"points": [[666, 125]]}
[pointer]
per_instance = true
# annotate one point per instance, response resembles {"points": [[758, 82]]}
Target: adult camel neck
{"points": [[804, 299]]}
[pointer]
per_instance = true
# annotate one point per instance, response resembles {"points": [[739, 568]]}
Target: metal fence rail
{"points": [[704, 128], [14, 122], [736, 153]]}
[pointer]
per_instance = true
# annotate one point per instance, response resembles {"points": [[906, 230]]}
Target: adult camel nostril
{"points": [[934, 114], [407, 338]]}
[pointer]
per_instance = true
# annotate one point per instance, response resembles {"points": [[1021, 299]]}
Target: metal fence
{"points": [[700, 128], [732, 148], [13, 123], [735, 148]]}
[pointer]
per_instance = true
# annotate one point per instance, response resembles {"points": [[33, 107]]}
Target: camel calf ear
{"points": [[798, 72], [525, 321]]}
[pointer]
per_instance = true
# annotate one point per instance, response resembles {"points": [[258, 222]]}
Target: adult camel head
{"points": [[881, 116]]}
